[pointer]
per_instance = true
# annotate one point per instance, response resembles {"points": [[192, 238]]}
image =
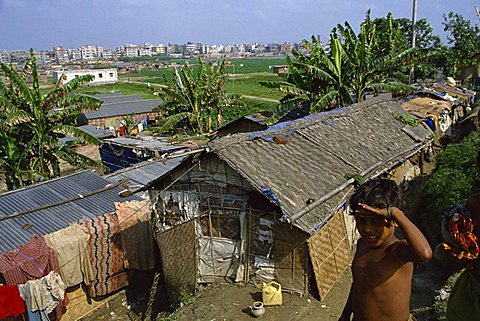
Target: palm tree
{"points": [[196, 98], [32, 124]]}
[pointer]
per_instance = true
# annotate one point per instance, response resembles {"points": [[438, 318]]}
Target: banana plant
{"points": [[196, 98], [32, 124], [352, 65]]}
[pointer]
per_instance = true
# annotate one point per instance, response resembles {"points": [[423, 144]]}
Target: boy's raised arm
{"points": [[418, 249]]}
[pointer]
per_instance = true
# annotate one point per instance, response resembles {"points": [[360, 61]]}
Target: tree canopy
{"points": [[464, 41]]}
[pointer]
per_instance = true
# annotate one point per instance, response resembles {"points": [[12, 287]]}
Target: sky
{"points": [[42, 24]]}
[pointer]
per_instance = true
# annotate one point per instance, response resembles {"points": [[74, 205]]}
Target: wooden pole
{"points": [[414, 36]]}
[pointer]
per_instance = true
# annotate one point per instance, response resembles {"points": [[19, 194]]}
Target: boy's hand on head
{"points": [[388, 213]]}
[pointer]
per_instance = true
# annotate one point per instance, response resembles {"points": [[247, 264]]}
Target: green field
{"points": [[247, 84], [248, 72]]}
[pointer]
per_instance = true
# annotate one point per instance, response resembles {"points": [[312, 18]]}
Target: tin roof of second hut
{"points": [[52, 205], [295, 163], [141, 174], [123, 105]]}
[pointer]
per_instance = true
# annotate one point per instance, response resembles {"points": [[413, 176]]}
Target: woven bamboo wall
{"points": [[291, 259], [177, 251], [329, 252]]}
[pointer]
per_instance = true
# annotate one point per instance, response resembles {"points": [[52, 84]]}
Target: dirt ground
{"points": [[226, 302]]}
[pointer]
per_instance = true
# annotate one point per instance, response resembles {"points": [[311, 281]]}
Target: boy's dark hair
{"points": [[379, 193]]}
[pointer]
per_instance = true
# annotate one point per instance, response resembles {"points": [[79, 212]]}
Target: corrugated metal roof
{"points": [[145, 172], [53, 205], [154, 144], [319, 151], [96, 131], [122, 105], [89, 129]]}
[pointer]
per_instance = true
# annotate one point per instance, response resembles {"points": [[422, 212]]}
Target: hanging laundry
{"points": [[71, 251], [38, 315], [137, 237], [29, 262], [46, 293], [11, 304], [105, 255]]}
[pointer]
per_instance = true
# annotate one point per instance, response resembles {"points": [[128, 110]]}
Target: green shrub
{"points": [[456, 175]]}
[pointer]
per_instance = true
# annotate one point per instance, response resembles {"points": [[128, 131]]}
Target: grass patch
{"points": [[119, 88], [253, 65], [248, 85], [251, 106]]}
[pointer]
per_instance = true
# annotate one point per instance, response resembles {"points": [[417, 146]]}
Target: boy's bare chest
{"points": [[377, 267]]}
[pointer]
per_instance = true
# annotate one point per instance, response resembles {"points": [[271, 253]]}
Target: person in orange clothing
{"points": [[461, 232]]}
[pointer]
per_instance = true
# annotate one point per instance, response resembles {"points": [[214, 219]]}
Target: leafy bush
{"points": [[456, 175]]}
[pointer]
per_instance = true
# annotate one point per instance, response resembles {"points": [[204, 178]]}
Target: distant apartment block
{"points": [[131, 51], [74, 54], [19, 56], [160, 49], [90, 52], [60, 54], [101, 76], [4, 57], [286, 47]]}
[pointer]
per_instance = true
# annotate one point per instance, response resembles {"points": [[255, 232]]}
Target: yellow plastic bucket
{"points": [[271, 293]]}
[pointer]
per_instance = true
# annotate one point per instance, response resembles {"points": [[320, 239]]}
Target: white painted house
{"points": [[101, 76]]}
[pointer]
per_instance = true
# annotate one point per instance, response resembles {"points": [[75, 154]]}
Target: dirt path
{"points": [[261, 98], [227, 302]]}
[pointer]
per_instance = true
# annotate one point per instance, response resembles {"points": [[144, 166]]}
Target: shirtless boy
{"points": [[382, 267]]}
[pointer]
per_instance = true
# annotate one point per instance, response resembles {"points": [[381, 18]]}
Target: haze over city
{"points": [[41, 24]]}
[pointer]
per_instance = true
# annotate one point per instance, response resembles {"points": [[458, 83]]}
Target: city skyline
{"points": [[43, 24]]}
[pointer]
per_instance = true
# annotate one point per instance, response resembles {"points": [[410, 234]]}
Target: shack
{"points": [[271, 205], [248, 123], [115, 108]]}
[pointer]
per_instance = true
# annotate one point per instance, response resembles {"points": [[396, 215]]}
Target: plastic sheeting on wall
{"points": [[218, 257]]}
